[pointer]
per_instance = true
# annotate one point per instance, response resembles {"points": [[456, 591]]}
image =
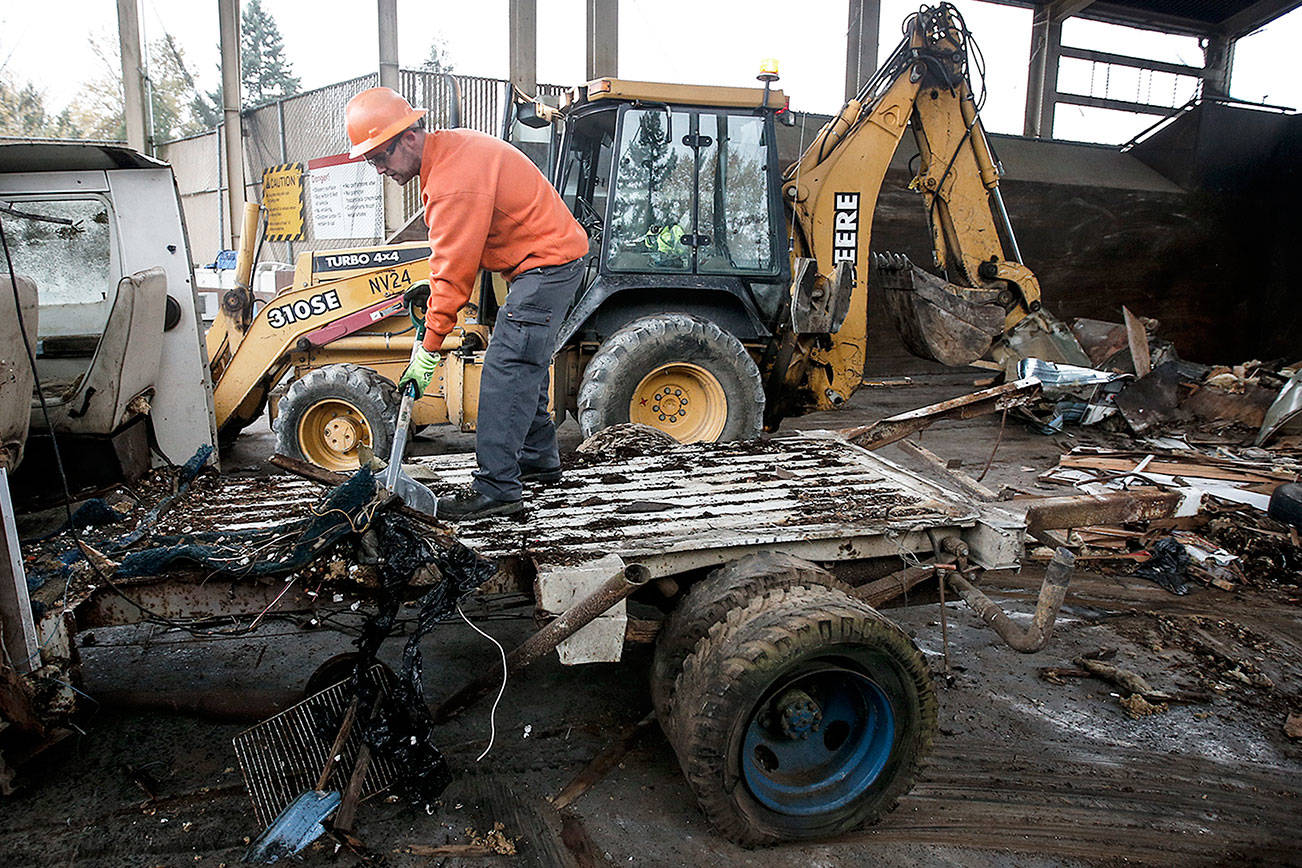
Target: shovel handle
{"points": [[400, 426], [344, 729], [346, 815]]}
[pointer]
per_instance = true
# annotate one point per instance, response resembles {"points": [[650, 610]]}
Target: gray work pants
{"points": [[514, 423]]}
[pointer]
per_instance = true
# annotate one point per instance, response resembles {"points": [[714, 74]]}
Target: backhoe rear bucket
{"points": [[938, 320]]}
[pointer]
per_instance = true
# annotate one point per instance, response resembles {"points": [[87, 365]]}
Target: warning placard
{"points": [[347, 198], [282, 196]]}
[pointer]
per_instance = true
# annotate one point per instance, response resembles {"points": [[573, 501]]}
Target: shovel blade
{"points": [[415, 494], [297, 827], [940, 321]]}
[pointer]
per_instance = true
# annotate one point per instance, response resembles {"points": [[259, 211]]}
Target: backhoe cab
{"points": [[689, 212]]}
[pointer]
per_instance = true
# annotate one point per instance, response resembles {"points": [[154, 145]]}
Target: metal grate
{"points": [[282, 757]]}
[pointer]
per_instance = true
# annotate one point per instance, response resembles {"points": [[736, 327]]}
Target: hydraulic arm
{"points": [[831, 194]]}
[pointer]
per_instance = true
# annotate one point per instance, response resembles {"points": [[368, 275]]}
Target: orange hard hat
{"points": [[376, 115]]}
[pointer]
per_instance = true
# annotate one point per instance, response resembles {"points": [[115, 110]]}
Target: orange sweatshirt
{"points": [[486, 206]]}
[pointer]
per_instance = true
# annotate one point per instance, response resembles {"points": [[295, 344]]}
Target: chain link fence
{"points": [[308, 126]]}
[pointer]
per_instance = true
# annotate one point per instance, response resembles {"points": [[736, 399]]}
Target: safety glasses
{"points": [[383, 157]]}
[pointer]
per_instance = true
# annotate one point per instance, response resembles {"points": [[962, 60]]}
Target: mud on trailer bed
{"points": [[796, 709]]}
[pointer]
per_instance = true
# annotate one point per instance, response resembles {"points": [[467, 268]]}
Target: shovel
{"points": [[414, 494]]}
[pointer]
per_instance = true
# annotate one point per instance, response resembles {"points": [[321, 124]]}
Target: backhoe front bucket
{"points": [[940, 321]]}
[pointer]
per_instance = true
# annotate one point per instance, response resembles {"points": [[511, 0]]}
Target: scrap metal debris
{"points": [[1220, 536]]}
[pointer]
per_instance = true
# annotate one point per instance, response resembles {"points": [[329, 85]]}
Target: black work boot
{"points": [[470, 504], [539, 473]]}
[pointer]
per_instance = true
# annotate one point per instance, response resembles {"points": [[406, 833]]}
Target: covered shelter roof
{"points": [[1231, 18]]}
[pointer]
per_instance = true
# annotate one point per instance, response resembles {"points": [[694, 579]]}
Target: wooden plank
{"points": [[828, 490], [961, 479], [805, 489], [1173, 468]]}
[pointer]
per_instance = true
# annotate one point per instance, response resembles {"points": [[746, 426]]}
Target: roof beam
{"points": [[1120, 105], [1127, 60], [1257, 15], [1254, 16], [1060, 10]]}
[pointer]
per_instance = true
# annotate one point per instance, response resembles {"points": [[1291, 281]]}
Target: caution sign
{"points": [[282, 196]]}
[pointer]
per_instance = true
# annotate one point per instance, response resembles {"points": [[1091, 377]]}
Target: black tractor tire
{"points": [[732, 586], [371, 398], [736, 684], [635, 352]]}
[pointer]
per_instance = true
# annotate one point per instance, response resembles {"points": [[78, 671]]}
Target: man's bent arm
{"points": [[458, 230]]}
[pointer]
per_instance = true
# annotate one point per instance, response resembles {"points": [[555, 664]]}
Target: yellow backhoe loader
{"points": [[723, 292]]}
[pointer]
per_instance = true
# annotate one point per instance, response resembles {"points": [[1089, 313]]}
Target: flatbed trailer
{"points": [[796, 709]]}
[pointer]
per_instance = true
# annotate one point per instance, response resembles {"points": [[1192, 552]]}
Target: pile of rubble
{"points": [[1227, 438]]}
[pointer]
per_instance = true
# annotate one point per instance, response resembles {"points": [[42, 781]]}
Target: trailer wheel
{"points": [[331, 411], [676, 372], [804, 715], [732, 586]]}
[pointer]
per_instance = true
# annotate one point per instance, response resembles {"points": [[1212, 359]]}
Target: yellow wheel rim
{"points": [[683, 400], [330, 432]]}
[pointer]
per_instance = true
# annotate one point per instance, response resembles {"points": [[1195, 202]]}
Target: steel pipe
{"points": [[1052, 592]]}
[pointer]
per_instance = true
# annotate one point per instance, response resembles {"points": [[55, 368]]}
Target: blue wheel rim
{"points": [[837, 759]]}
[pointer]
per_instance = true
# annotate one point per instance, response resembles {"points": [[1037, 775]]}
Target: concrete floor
{"points": [[1024, 772]]}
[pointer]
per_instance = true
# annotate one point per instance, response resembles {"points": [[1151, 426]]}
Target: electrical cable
{"points": [[45, 413], [492, 714]]}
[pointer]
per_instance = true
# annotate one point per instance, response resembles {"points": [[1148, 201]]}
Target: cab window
{"points": [[735, 217], [651, 212], [585, 173], [692, 194], [65, 245]]}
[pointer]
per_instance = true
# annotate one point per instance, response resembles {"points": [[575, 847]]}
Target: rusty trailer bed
{"points": [[813, 494]]}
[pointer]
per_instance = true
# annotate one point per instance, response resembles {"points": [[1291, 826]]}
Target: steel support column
{"points": [[394, 218], [388, 32], [228, 19], [602, 37], [1218, 65], [1042, 77], [861, 37], [133, 78], [523, 15]]}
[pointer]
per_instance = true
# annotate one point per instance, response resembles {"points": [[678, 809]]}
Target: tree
{"points": [[23, 113], [98, 110], [266, 75]]}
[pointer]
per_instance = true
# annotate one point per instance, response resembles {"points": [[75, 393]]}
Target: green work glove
{"points": [[420, 371]]}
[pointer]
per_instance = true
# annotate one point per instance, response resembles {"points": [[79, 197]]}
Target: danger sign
{"points": [[347, 198], [282, 196]]}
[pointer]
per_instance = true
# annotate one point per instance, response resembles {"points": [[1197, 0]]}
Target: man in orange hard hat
{"points": [[486, 206]]}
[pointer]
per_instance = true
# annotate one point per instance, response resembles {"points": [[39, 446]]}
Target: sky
{"points": [[711, 41]]}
